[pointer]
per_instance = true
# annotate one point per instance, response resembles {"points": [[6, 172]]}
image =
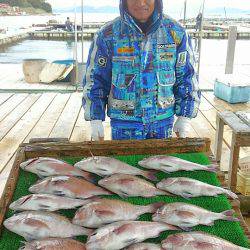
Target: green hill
{"points": [[30, 4]]}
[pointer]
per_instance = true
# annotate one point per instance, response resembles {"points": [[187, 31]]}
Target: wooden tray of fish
{"points": [[97, 216]]}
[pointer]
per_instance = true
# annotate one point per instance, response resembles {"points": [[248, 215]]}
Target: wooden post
{"points": [[218, 138], [234, 160], [232, 37]]}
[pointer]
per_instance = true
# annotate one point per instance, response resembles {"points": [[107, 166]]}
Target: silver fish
{"points": [[68, 186], [130, 186], [34, 225], [45, 166], [197, 241], [54, 244], [124, 233], [106, 166], [103, 211], [171, 164], [144, 246], [45, 202], [188, 188], [186, 215]]}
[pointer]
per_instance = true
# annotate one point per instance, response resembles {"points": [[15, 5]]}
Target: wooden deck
{"points": [[47, 115]]}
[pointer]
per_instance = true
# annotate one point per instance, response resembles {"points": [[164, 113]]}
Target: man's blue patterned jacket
{"points": [[141, 77]]}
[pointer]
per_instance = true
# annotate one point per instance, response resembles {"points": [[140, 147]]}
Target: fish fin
{"points": [[59, 193], [187, 229], [210, 224], [122, 229], [186, 196], [212, 168], [104, 213], [130, 241], [155, 206], [45, 207], [151, 175], [123, 194]]}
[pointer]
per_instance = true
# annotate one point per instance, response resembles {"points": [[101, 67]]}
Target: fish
{"points": [[121, 234], [106, 166], [33, 225], [45, 202], [189, 188], [171, 164], [45, 166], [68, 186], [186, 216], [54, 244], [103, 211], [144, 246], [130, 186], [197, 241]]}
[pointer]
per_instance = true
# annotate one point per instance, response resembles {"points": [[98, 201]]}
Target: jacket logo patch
{"points": [[102, 61], [166, 56], [125, 50], [182, 58], [165, 46]]}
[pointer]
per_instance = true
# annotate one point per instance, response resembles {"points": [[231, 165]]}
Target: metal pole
{"points": [[82, 34], [185, 13], [75, 54], [200, 38]]}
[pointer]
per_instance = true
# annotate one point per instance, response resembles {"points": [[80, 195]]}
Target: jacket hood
{"points": [[158, 9]]}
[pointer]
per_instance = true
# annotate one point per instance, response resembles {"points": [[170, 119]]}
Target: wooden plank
{"points": [[234, 122], [48, 120], [19, 132], [67, 120], [11, 119], [210, 112], [4, 97], [244, 116], [82, 131], [221, 105], [233, 164], [11, 104], [124, 147], [5, 175], [218, 138]]}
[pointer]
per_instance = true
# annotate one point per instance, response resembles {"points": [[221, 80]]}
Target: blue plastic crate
{"points": [[232, 93]]}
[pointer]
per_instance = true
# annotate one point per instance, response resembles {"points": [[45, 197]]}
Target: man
{"points": [[141, 67], [68, 25], [198, 22]]}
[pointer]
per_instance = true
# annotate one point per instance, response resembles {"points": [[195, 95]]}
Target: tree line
{"points": [[37, 4]]}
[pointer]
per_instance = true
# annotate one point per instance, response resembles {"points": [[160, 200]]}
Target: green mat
{"points": [[231, 231]]}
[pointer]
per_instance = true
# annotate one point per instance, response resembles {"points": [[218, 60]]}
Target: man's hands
{"points": [[97, 130], [182, 126]]}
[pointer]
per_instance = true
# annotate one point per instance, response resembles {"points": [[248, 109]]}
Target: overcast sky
{"points": [[241, 4]]}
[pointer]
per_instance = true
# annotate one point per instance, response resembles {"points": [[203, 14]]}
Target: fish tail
{"points": [[151, 175], [228, 212], [212, 168], [152, 208], [231, 194], [228, 215]]}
